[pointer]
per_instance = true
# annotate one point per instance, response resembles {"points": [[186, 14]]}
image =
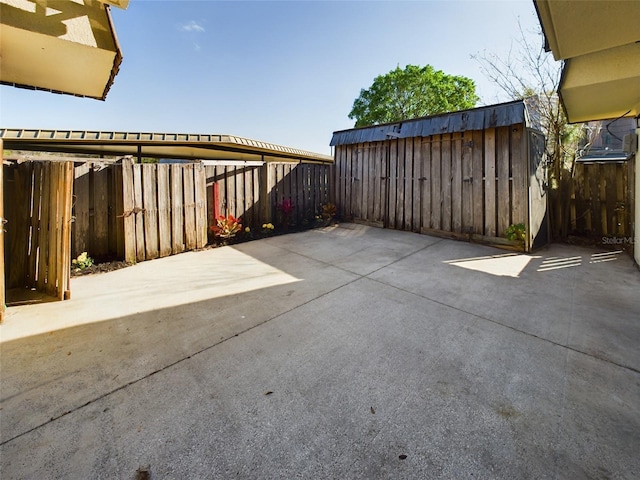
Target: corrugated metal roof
{"points": [[164, 145], [500, 115]]}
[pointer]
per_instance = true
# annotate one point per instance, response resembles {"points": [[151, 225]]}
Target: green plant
{"points": [[267, 228], [329, 211], [515, 232], [226, 227], [83, 261], [286, 208]]}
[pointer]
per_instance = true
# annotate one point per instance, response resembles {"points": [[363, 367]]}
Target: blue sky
{"points": [[282, 72]]}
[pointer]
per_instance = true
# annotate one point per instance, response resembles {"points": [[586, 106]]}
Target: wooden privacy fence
{"points": [[602, 199], [138, 211], [254, 192], [37, 207]]}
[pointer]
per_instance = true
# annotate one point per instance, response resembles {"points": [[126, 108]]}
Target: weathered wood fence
{"points": [[37, 207], [138, 212], [602, 199], [456, 184], [254, 192]]}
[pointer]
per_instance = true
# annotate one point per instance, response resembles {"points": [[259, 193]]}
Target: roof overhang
{"points": [[64, 46], [599, 42], [602, 85], [155, 145]]}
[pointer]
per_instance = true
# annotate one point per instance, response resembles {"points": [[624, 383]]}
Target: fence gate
{"points": [[38, 230]]}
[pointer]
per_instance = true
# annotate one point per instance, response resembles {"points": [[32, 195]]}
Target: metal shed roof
{"points": [[158, 145], [500, 115]]}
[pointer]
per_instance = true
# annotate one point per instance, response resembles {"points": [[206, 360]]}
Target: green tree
{"points": [[411, 93]]}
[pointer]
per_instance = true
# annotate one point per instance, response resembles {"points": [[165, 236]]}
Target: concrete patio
{"points": [[344, 352]]}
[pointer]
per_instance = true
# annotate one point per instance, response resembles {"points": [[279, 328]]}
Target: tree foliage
{"points": [[411, 93], [529, 71]]}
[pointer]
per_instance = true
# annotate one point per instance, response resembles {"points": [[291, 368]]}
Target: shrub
{"points": [[226, 227]]}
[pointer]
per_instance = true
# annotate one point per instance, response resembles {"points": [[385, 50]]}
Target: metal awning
{"points": [[64, 46], [600, 45], [155, 145]]}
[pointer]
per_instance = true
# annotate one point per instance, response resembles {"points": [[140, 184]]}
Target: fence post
{"points": [[129, 228]]}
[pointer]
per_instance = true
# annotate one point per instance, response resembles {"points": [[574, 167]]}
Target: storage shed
{"points": [[469, 174]]}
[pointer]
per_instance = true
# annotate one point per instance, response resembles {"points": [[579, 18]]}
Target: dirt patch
{"points": [[99, 268]]}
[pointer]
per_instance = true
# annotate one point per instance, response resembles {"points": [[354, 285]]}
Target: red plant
{"points": [[286, 207], [226, 226]]}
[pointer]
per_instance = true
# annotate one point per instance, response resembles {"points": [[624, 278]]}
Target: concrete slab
{"points": [[299, 356]]}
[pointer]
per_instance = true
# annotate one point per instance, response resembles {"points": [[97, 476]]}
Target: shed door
{"points": [[361, 191]]}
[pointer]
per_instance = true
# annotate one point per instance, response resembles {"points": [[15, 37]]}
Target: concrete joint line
{"points": [[533, 335], [166, 367]]}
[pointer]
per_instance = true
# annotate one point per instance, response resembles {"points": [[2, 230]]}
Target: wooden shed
{"points": [[469, 174]]}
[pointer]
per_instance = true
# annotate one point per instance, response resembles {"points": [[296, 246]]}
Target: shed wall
{"points": [[462, 184]]}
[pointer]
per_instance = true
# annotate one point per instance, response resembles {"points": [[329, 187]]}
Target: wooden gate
{"points": [[38, 230]]}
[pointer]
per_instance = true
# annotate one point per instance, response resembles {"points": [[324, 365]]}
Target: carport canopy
{"points": [[156, 145]]}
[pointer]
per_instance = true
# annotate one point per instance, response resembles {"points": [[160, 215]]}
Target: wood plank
{"points": [[150, 205], [112, 203], [239, 182], [43, 237], [348, 183], [221, 173], [408, 185], [490, 214], [456, 182], [100, 245], [400, 183], [519, 174], [118, 209], [356, 165], [375, 164], [249, 201], [416, 205], [17, 230], [436, 182], [371, 181], [34, 214], [339, 200], [190, 207], [425, 184], [138, 211], [128, 204], [466, 160], [80, 230], [200, 192], [53, 244], [393, 184], [164, 210], [257, 197], [177, 210], [64, 260], [620, 211], [231, 191], [503, 173], [610, 198], [364, 183], [385, 149], [477, 160], [446, 180]]}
